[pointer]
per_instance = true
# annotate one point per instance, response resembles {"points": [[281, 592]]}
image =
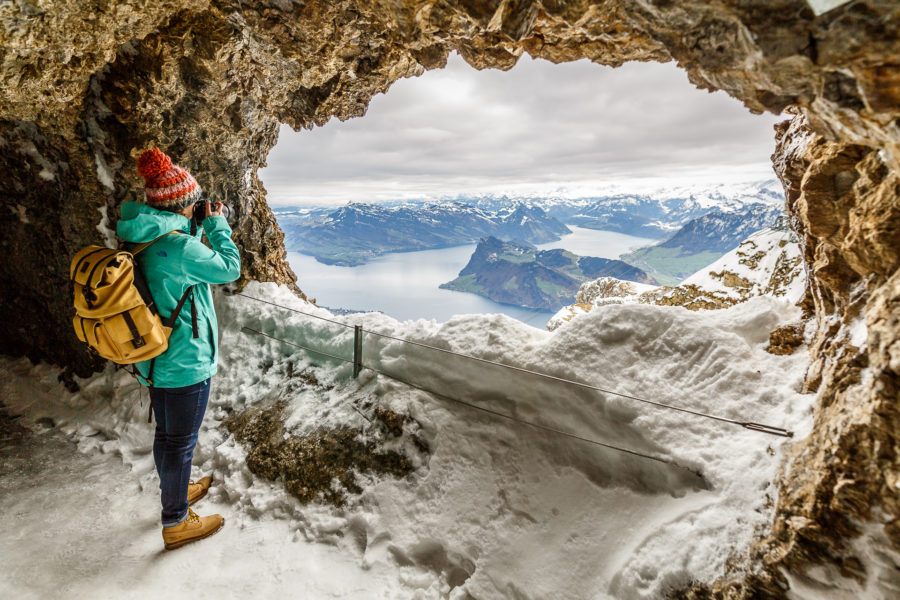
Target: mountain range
{"points": [[358, 232], [654, 213], [695, 225]]}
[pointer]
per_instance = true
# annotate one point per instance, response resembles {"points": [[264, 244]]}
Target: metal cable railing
{"points": [[357, 362], [295, 345], [475, 406], [535, 425]]}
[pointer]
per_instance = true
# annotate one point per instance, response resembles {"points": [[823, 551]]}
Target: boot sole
{"points": [[179, 544]]}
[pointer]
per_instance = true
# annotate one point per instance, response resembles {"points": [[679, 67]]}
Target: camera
{"points": [[200, 211]]}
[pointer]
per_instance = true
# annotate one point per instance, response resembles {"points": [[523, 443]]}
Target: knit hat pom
{"points": [[153, 163], [166, 186]]}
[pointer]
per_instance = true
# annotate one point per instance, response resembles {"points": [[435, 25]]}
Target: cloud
{"points": [[458, 130]]}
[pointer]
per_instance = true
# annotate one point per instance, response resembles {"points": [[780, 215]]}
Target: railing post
{"points": [[357, 350]]}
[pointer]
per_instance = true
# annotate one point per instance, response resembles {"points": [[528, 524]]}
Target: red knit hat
{"points": [[166, 186]]}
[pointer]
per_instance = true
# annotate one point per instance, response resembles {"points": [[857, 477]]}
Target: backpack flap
{"points": [[103, 282], [80, 265], [115, 313]]}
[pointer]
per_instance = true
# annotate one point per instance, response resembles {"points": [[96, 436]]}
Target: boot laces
{"points": [[192, 517]]}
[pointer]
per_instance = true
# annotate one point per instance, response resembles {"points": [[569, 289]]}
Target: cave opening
{"points": [[601, 163]]}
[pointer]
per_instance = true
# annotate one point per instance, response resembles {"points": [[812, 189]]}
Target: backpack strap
{"points": [[145, 245], [189, 292], [170, 323], [194, 331]]}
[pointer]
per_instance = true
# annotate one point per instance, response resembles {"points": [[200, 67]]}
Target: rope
{"points": [[491, 411], [762, 428]]}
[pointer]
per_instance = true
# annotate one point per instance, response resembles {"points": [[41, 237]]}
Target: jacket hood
{"points": [[140, 223]]}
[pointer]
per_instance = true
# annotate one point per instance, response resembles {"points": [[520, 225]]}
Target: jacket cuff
{"points": [[215, 223]]}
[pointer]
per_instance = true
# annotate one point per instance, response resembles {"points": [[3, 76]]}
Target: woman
{"points": [[180, 267]]}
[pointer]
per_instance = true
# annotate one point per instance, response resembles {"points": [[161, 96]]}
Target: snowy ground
{"points": [[768, 262], [499, 510], [78, 525]]}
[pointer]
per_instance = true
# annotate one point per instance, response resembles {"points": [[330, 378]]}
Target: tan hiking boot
{"points": [[193, 528], [198, 489]]}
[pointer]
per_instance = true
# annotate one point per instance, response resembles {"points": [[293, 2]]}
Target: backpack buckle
{"points": [[89, 296]]}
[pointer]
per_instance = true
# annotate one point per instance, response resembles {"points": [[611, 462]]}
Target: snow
{"points": [[48, 170], [105, 541], [767, 263], [598, 292], [775, 246], [105, 228], [498, 510], [823, 6], [104, 175], [858, 331]]}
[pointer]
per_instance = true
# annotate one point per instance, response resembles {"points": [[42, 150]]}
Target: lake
{"points": [[404, 285]]}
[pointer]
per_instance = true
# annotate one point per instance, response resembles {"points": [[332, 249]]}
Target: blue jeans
{"points": [[179, 412]]}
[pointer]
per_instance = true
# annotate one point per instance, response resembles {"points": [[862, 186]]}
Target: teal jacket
{"points": [[170, 265]]}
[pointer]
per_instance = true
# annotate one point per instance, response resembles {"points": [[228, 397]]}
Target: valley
{"points": [[700, 242]]}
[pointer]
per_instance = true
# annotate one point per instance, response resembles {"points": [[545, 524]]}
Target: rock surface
{"points": [[844, 202], [86, 85], [322, 466]]}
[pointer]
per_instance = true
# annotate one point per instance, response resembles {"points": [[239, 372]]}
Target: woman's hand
{"points": [[214, 208]]}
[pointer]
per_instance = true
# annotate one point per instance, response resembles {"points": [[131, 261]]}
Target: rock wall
{"points": [[85, 85], [845, 201]]}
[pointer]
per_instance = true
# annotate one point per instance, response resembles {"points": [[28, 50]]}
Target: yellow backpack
{"points": [[114, 310]]}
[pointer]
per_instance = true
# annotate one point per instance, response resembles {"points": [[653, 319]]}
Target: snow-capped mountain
{"points": [[708, 194], [721, 231], [357, 232], [701, 241], [767, 263], [647, 211]]}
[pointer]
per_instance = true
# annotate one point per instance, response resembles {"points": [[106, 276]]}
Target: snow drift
{"points": [[498, 509]]}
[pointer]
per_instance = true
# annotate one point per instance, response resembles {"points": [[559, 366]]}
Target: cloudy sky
{"points": [[538, 128]]}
